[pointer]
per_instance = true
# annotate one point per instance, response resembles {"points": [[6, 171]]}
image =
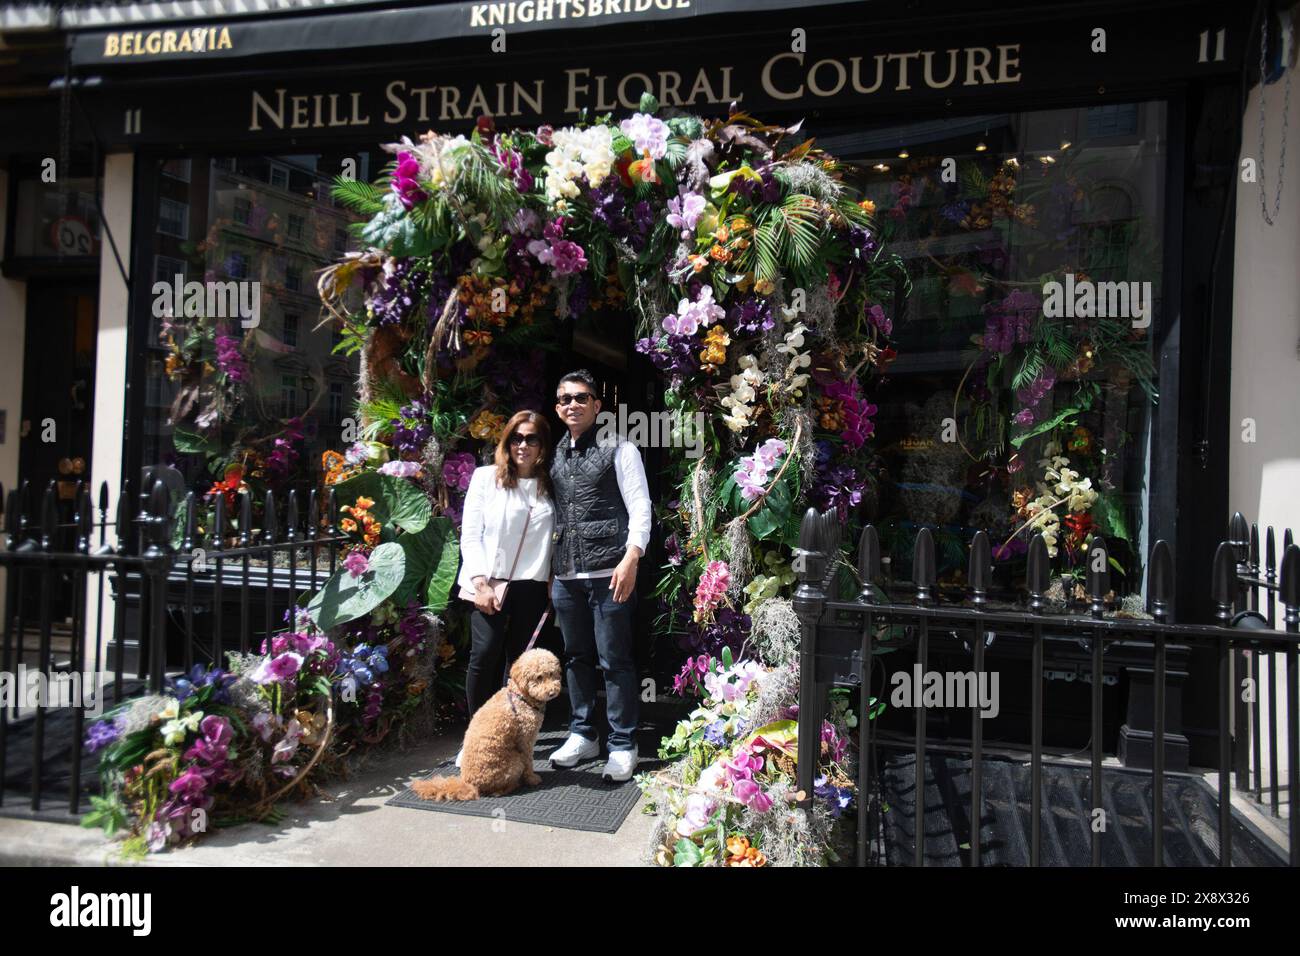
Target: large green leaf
{"points": [[443, 578], [397, 501], [345, 598], [421, 550]]}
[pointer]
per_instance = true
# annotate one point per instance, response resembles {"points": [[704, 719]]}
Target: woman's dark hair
{"points": [[582, 376], [507, 471]]}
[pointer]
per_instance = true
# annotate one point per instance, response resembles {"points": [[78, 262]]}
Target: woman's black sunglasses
{"points": [[582, 398], [532, 441]]}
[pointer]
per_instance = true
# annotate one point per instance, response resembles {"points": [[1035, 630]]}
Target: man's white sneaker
{"points": [[575, 750], [620, 766], [459, 753]]}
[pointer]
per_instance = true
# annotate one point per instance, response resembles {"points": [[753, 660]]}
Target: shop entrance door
{"points": [[57, 419]]}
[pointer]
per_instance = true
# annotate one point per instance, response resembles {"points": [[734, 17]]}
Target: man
{"points": [[602, 527]]}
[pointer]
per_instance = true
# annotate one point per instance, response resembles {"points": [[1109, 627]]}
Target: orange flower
{"points": [[643, 170], [348, 525], [364, 503], [477, 337], [719, 253], [868, 207], [698, 263]]}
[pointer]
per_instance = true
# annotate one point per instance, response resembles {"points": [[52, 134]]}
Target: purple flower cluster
{"points": [[102, 733], [563, 256], [862, 242], [1033, 393], [230, 358], [411, 429], [458, 469], [752, 315], [877, 317], [512, 161], [857, 411], [837, 799], [1008, 323], [395, 292], [835, 484], [673, 355], [284, 455], [406, 182], [201, 676], [769, 190], [729, 628], [191, 796]]}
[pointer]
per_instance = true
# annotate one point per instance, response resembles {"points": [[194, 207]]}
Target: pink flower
{"points": [[400, 469], [356, 563], [406, 180], [457, 470], [712, 589], [752, 795], [276, 670], [685, 211]]}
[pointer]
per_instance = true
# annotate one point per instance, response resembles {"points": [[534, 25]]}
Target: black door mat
{"points": [[573, 799], [1191, 826]]}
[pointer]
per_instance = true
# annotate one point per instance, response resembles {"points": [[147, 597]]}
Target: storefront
{"points": [[1001, 148]]}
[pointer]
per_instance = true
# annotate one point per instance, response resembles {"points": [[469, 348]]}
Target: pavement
{"points": [[348, 825]]}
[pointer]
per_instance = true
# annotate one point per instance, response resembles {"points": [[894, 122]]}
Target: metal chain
{"points": [[1286, 112]]}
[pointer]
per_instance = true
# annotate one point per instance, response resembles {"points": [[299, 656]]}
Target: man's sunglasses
{"points": [[582, 398], [532, 441]]}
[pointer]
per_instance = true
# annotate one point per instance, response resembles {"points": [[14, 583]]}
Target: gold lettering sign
{"points": [[159, 42]]}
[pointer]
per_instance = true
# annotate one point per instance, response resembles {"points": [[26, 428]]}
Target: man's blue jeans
{"points": [[598, 633]]}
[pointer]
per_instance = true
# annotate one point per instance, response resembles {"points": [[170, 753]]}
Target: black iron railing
{"points": [[841, 641], [158, 580]]}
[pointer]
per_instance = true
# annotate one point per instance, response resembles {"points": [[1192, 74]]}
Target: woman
{"points": [[506, 535]]}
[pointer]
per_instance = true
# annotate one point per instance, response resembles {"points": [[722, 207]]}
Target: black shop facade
{"points": [[1106, 137]]}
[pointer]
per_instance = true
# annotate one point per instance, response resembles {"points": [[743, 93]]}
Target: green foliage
{"points": [[365, 198], [107, 813], [397, 501]]}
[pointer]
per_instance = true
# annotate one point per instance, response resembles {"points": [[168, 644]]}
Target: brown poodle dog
{"points": [[499, 742]]}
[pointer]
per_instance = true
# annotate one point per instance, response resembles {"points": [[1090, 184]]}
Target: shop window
{"points": [[283, 420], [989, 376]]}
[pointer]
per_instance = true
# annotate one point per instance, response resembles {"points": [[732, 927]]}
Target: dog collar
{"points": [[512, 694]]}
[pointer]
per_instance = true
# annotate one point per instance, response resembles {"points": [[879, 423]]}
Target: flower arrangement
{"points": [[222, 746], [728, 799]]}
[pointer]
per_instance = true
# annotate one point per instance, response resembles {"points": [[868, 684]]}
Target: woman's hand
{"points": [[485, 599]]}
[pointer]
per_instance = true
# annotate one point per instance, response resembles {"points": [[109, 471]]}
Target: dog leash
{"points": [[537, 632]]}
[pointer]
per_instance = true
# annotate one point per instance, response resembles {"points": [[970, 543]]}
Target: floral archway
{"points": [[762, 297]]}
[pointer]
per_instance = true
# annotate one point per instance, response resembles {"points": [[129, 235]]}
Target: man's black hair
{"points": [[582, 376]]}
